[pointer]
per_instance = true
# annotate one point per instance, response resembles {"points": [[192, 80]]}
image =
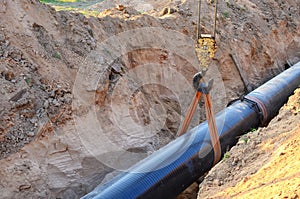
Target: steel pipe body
{"points": [[173, 168]]}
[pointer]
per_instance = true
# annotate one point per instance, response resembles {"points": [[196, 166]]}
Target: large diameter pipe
{"points": [[173, 168], [271, 96]]}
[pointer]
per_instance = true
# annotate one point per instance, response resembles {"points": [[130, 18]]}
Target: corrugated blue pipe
{"points": [[170, 170]]}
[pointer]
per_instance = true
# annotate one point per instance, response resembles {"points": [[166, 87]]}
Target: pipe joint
{"points": [[258, 107]]}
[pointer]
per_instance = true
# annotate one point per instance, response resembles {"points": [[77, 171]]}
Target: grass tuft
{"points": [[226, 155], [226, 14]]}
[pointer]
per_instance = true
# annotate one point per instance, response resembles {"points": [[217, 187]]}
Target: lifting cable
{"points": [[206, 44], [199, 20]]}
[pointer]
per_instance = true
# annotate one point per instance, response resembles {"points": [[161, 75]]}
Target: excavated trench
{"points": [[84, 96], [190, 156]]}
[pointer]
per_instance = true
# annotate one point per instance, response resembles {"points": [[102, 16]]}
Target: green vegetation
{"points": [[29, 81], [56, 55], [226, 14], [80, 6], [245, 140], [226, 155], [244, 8], [71, 2], [251, 130], [227, 3], [57, 1]]}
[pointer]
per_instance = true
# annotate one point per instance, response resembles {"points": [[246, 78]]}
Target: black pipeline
{"points": [[170, 170]]}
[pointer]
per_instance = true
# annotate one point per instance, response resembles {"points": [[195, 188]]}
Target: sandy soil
{"points": [[264, 164]]}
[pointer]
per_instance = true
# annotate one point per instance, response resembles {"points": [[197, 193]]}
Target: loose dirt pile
{"points": [[264, 164], [44, 53]]}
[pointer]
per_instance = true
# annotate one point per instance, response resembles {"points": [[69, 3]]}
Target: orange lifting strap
{"points": [[213, 131]]}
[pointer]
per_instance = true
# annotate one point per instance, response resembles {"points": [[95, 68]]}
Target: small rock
{"points": [[241, 142], [281, 153], [24, 187], [2, 38], [209, 178], [253, 145], [8, 75], [52, 94], [21, 136], [42, 194], [9, 124], [30, 134], [120, 7], [217, 182], [116, 68], [24, 155], [16, 54], [56, 102], [33, 120], [167, 10], [238, 168], [46, 104], [233, 163], [18, 96], [243, 163]]}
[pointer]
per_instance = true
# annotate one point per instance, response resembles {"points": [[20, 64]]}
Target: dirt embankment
{"points": [[43, 53], [264, 164]]}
